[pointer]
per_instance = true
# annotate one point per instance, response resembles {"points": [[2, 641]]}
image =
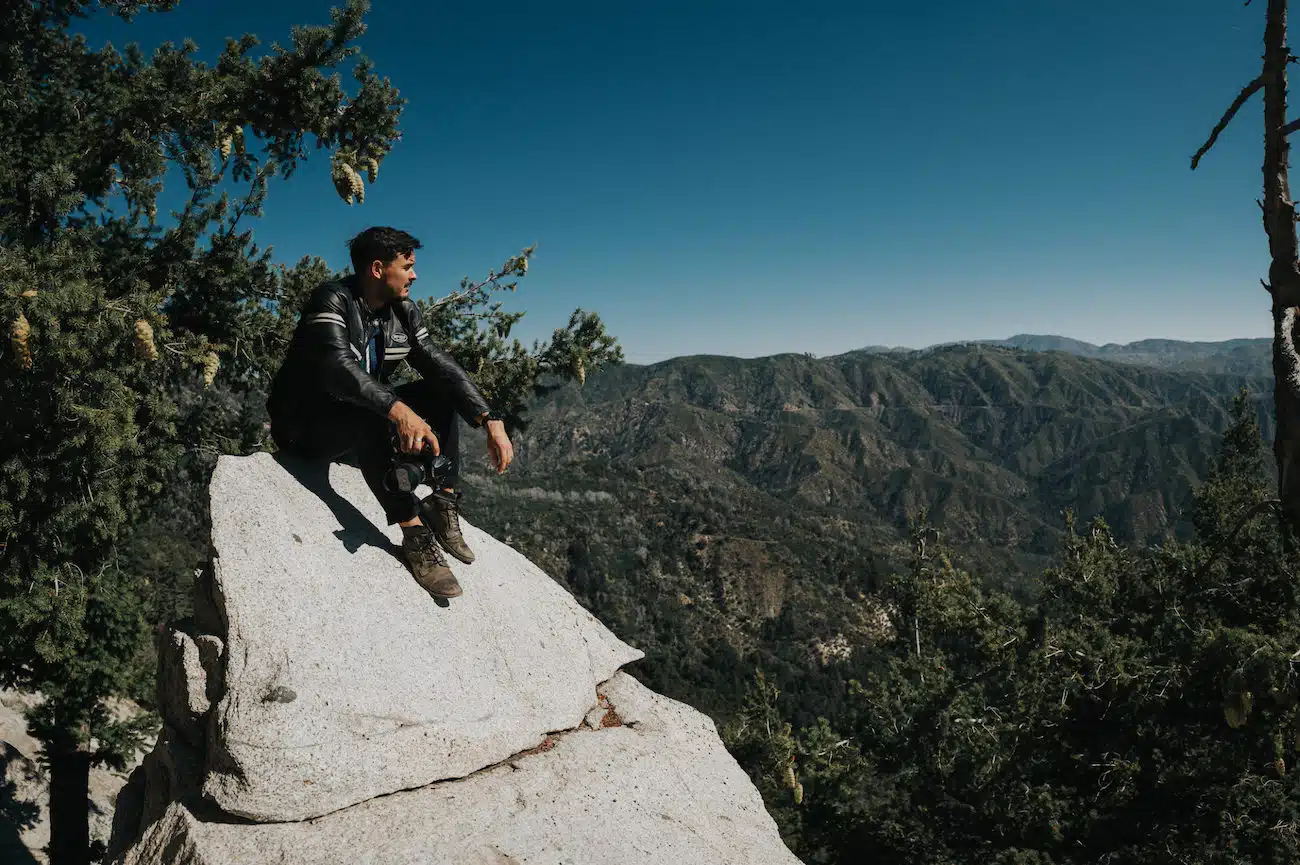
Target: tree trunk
{"points": [[1279, 223], [1286, 439], [69, 793]]}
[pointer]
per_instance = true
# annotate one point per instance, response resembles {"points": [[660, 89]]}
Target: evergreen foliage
{"points": [[139, 345], [1143, 711]]}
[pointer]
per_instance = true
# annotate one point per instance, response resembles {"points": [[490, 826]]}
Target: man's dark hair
{"points": [[380, 243]]}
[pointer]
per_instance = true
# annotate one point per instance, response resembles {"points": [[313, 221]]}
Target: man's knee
{"points": [[334, 433], [427, 400]]}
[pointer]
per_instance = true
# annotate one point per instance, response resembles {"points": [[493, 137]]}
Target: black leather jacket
{"points": [[327, 358]]}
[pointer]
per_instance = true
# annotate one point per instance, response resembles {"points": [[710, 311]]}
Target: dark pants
{"points": [[341, 432]]}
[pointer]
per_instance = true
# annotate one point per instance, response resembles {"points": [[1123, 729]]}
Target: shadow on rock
{"points": [[16, 816], [356, 529]]}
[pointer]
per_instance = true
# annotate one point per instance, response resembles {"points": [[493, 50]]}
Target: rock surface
{"points": [[183, 682], [349, 718], [659, 789], [345, 680]]}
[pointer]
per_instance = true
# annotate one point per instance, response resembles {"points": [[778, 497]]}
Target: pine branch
{"points": [[492, 278], [1291, 127], [1248, 91], [1249, 514]]}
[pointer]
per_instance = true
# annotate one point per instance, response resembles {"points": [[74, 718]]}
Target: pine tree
{"points": [[108, 307]]}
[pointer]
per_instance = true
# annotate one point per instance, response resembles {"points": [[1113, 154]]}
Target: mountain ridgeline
{"points": [[1237, 356]]}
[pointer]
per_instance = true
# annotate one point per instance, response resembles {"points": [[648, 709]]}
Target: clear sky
{"points": [[751, 177]]}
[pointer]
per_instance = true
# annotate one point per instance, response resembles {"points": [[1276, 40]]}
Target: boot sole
{"points": [[443, 596], [454, 593]]}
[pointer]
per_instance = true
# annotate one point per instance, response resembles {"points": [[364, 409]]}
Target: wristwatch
{"points": [[487, 416]]}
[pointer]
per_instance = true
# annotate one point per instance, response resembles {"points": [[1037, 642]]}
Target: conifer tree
{"points": [[107, 303]]}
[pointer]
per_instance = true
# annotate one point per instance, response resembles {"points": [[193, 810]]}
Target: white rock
{"points": [[182, 685], [344, 680], [211, 649], [660, 790]]}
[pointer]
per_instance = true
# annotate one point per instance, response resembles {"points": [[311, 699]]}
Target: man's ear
{"points": [[377, 269]]}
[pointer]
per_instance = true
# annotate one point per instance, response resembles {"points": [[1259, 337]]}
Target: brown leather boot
{"points": [[420, 549], [440, 511]]}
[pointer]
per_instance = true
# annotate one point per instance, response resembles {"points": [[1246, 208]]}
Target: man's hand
{"points": [[412, 431], [499, 445]]}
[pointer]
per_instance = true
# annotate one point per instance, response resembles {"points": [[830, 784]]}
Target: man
{"points": [[332, 396]]}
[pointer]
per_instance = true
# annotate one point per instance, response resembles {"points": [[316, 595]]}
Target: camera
{"points": [[408, 471]]}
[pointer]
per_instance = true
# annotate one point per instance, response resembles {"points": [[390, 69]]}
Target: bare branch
{"points": [[1291, 127], [1246, 92], [493, 278]]}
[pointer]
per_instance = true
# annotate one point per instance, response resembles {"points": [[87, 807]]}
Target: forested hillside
{"points": [[995, 443], [998, 682]]}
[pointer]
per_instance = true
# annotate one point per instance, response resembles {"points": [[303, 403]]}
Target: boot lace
{"points": [[426, 543], [449, 504]]}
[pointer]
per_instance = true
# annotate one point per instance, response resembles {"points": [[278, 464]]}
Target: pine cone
{"points": [[1236, 708], [211, 363], [372, 169], [224, 146], [238, 135], [789, 776], [144, 345], [18, 335], [355, 184], [798, 793], [342, 187]]}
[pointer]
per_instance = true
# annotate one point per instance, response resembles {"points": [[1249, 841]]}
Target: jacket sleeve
{"points": [[331, 355], [441, 369]]}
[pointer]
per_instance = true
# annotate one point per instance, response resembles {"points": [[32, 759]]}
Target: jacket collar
{"points": [[353, 285]]}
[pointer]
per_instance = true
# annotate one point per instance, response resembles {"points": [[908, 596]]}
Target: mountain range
{"points": [[711, 507], [1248, 356]]}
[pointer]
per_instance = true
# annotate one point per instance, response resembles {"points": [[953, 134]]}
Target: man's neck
{"points": [[372, 294]]}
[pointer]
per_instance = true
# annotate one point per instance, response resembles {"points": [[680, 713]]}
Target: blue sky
{"points": [[749, 178]]}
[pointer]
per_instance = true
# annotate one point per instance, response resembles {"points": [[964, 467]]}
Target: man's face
{"points": [[396, 276]]}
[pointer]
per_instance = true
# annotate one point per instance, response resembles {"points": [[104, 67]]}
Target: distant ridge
{"points": [[1234, 356]]}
